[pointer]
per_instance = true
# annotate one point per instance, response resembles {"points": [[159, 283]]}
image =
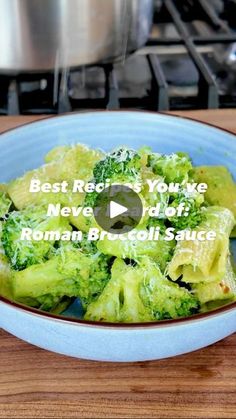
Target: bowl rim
{"points": [[227, 308], [230, 307], [43, 118]]}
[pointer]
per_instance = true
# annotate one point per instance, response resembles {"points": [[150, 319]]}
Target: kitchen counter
{"points": [[39, 384]]}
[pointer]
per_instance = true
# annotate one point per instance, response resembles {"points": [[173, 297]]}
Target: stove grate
{"points": [[52, 94]]}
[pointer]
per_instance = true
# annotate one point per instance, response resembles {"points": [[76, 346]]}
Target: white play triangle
{"points": [[116, 209]]}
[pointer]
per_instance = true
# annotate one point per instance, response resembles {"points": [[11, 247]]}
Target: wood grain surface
{"points": [[39, 384]]}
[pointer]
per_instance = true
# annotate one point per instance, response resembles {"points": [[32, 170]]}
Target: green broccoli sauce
{"points": [[24, 253], [116, 281]]}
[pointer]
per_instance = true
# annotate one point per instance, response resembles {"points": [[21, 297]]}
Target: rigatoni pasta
{"points": [[198, 261], [221, 187], [223, 289]]}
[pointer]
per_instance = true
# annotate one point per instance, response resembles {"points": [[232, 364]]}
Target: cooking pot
{"points": [[39, 35]]}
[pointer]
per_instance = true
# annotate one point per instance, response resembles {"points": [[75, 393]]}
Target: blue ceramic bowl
{"points": [[24, 148]]}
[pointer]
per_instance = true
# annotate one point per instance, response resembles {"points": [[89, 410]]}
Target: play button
{"points": [[118, 209]]}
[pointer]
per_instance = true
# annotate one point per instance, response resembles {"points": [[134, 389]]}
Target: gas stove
{"points": [[189, 62]]}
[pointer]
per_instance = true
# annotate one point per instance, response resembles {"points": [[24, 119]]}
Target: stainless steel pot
{"points": [[38, 35]]}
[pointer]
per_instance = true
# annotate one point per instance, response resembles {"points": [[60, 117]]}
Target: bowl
{"points": [[24, 148]]}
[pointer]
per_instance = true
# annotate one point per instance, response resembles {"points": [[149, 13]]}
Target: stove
{"points": [[189, 62]]}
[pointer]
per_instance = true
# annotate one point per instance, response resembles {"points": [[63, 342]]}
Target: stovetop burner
{"points": [[189, 62]]}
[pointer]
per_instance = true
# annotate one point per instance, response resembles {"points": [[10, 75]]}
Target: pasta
{"points": [[75, 162], [223, 289], [199, 261], [221, 187]]}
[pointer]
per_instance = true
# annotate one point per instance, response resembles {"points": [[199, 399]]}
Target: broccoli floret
{"points": [[86, 246], [5, 204], [99, 275], [5, 271], [69, 273], [165, 299], [174, 167], [93, 266], [156, 222], [195, 215], [120, 301], [121, 166], [90, 199], [23, 253], [99, 269], [140, 294]]}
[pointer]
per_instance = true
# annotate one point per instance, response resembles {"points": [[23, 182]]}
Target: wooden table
{"points": [[38, 384]]}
